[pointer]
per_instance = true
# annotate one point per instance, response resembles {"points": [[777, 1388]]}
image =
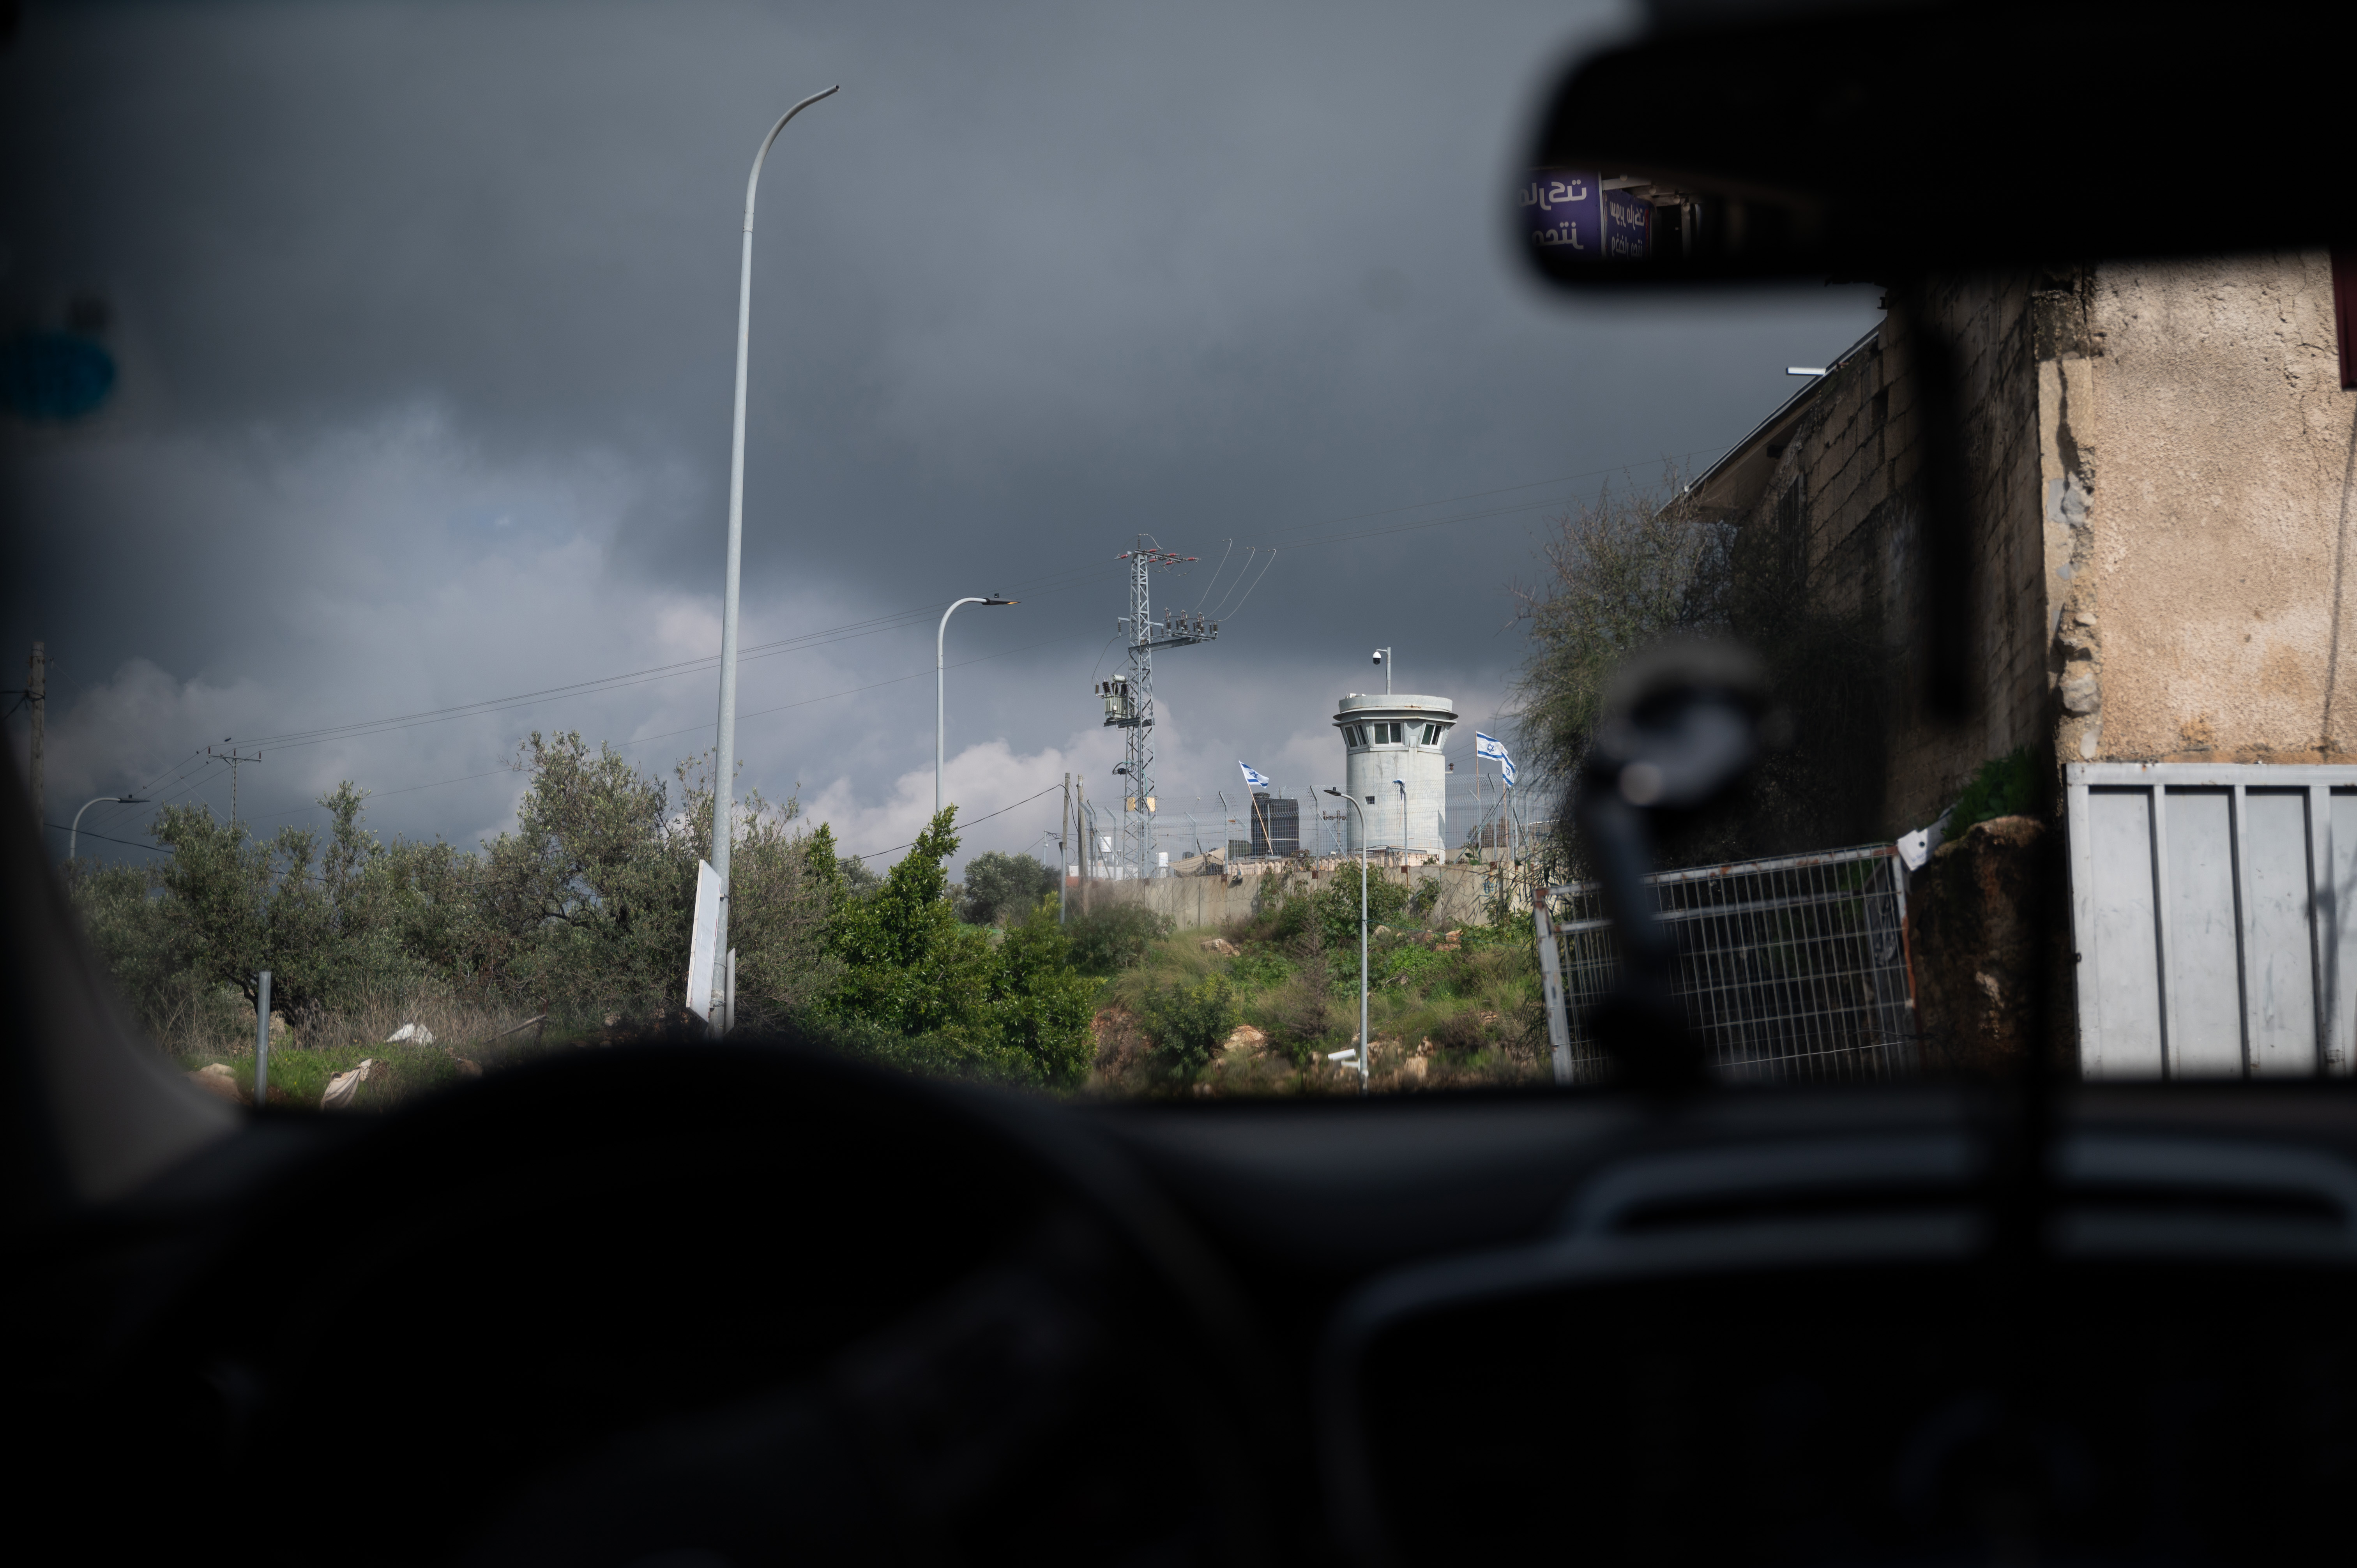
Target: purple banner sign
{"points": [[1627, 227], [1563, 212]]}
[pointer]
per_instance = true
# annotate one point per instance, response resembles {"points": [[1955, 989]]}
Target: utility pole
{"points": [[1064, 856], [37, 692], [232, 758], [1081, 832]]}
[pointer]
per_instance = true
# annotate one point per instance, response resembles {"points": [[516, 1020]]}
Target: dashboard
{"points": [[756, 1304]]}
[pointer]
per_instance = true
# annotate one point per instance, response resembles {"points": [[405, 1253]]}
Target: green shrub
{"points": [[1257, 967], [1001, 889], [2004, 787], [1187, 1023], [1297, 1015], [1407, 964], [1108, 940], [1461, 1033]]}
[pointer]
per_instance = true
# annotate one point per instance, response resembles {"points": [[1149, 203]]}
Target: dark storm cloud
{"points": [[426, 319]]}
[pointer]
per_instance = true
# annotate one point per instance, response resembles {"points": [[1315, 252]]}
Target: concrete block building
{"points": [[2157, 466], [2156, 475]]}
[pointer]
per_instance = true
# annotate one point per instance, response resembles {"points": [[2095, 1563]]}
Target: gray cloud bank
{"points": [[424, 320]]}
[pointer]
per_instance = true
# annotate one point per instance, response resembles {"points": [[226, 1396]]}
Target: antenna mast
{"points": [[1129, 700]]}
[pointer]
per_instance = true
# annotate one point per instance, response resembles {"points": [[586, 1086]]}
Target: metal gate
{"points": [[1791, 968], [2206, 911]]}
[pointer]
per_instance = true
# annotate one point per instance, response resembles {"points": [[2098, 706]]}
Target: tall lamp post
{"points": [[941, 699], [74, 832], [724, 786], [1366, 1045]]}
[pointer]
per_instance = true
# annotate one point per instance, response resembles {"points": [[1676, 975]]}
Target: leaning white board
{"points": [[700, 945]]}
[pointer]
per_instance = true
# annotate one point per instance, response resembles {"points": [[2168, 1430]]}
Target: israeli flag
{"points": [[1494, 748], [1254, 778]]}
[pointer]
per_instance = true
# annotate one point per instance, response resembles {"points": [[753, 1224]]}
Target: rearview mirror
{"points": [[1882, 142]]}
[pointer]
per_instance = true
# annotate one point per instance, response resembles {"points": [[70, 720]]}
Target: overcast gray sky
{"points": [[424, 317]]}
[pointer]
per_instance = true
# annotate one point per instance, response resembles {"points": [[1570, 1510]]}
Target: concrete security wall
{"points": [[1204, 903], [2198, 462]]}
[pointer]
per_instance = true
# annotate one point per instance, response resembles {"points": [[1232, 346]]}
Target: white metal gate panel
{"points": [[2207, 907]]}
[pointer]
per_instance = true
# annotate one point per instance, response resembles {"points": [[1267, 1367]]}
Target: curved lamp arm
{"points": [[940, 700]]}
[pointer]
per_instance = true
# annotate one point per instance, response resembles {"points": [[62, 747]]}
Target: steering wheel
{"points": [[695, 1304]]}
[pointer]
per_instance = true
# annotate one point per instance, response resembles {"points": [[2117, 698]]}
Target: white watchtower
{"points": [[1389, 738]]}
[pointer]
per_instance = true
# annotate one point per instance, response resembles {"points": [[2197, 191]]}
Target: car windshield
{"points": [[435, 500]]}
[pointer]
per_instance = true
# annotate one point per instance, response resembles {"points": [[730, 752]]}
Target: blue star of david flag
{"points": [[1494, 748], [1254, 778]]}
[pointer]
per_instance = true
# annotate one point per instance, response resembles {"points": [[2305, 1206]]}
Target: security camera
{"points": [[1379, 656]]}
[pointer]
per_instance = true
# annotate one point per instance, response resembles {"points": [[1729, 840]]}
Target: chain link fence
{"points": [[1792, 970]]}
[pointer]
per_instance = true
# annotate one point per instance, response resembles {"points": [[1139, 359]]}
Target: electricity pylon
{"points": [[1129, 700]]}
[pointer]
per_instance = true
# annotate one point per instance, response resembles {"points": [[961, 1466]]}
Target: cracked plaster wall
{"points": [[2196, 456]]}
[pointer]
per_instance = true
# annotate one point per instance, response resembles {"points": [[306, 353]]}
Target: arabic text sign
{"points": [[1563, 211], [1567, 212], [1628, 226]]}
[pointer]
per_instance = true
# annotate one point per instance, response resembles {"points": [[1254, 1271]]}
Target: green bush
{"points": [[1335, 911], [1108, 940], [1257, 967], [581, 913], [1000, 889], [1297, 1015], [1187, 1023], [2003, 787], [1407, 964]]}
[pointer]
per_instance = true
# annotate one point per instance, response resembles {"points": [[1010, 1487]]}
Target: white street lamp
{"points": [[724, 786], [1366, 1045], [74, 832], [940, 700]]}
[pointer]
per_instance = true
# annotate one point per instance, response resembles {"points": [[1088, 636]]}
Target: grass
{"points": [[1449, 1007], [301, 1065]]}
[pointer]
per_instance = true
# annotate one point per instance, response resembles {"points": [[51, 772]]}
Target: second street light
{"points": [[1366, 1045], [940, 691], [73, 834]]}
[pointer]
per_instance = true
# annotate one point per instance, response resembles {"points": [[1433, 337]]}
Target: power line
{"points": [[605, 684], [151, 848], [897, 848], [1475, 496], [692, 729], [1039, 586]]}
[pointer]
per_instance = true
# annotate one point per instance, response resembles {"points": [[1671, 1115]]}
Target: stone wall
{"points": [[1468, 893], [1845, 486], [2160, 460]]}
